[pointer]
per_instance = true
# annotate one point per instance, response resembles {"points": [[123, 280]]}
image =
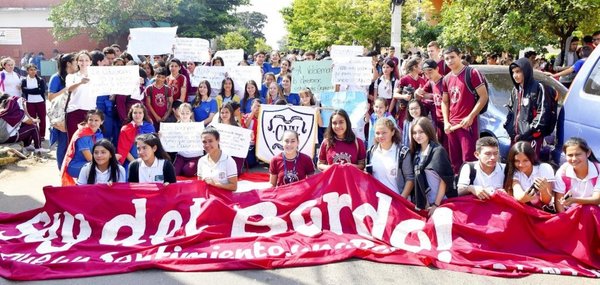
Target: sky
{"points": [[274, 30]]}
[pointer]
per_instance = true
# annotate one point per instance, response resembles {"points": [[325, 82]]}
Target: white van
{"points": [[580, 114]]}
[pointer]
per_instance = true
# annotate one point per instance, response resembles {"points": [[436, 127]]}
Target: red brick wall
{"points": [[28, 3], [41, 39]]}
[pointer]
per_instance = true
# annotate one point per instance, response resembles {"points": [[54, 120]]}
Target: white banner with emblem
{"points": [[275, 119]]}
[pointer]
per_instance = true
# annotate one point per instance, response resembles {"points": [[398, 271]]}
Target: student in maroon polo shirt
{"points": [[433, 91], [460, 109]]}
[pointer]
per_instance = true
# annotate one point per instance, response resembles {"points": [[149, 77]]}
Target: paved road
{"points": [[20, 190]]}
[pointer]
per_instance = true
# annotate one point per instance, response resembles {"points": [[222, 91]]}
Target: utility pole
{"points": [[396, 40]]}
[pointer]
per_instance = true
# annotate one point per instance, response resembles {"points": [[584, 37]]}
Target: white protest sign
{"points": [[313, 74], [340, 52], [231, 57], [356, 71], [275, 119], [181, 136], [10, 37], [192, 49], [151, 41], [108, 80], [234, 141], [240, 75]]}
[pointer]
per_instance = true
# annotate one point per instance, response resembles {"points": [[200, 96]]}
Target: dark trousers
{"points": [[27, 134], [38, 110]]}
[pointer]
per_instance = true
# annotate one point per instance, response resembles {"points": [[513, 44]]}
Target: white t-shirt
{"points": [[493, 181], [32, 84], [544, 170], [385, 167], [102, 177], [224, 169], [82, 97], [580, 188], [153, 173], [12, 83], [384, 89]]}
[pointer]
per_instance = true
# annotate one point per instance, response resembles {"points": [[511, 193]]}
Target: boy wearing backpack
{"points": [[464, 97], [484, 176], [532, 107], [159, 98]]}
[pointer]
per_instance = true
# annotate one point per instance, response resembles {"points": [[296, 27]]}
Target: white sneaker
{"points": [[30, 148]]}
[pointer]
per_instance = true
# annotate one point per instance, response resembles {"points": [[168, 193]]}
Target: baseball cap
{"points": [[429, 64]]}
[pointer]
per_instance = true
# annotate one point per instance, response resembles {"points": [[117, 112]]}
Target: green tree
{"points": [[512, 25], [317, 24], [261, 45], [419, 23], [204, 18], [105, 19], [234, 40], [111, 19], [253, 21]]}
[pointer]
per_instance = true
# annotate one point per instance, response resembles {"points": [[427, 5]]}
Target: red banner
{"points": [[332, 216]]}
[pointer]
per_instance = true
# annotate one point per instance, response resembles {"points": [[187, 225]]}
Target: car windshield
{"points": [[592, 84], [500, 85]]}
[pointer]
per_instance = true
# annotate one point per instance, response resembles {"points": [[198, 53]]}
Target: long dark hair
{"points": [[198, 98], [63, 61], [582, 144], [329, 135], [152, 140], [96, 56], [113, 163], [520, 147], [222, 92], [427, 126], [247, 95], [229, 107]]}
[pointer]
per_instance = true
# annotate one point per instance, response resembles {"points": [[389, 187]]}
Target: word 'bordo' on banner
{"points": [[181, 136], [312, 74], [356, 71], [275, 119], [192, 49]]}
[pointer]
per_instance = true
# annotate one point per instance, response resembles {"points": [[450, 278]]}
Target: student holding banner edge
{"points": [[340, 144], [216, 168], [388, 160], [153, 165], [291, 165]]}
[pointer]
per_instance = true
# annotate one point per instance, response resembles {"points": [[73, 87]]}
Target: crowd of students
{"points": [[421, 129]]}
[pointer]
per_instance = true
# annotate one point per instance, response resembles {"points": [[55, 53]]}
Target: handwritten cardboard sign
{"points": [[181, 136], [192, 49], [108, 80]]}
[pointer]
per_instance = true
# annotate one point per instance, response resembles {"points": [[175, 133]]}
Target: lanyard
{"points": [[291, 176]]}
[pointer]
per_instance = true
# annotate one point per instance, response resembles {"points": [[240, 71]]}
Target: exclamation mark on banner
{"points": [[442, 220]]}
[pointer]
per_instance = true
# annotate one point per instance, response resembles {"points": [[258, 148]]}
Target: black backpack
{"points": [[551, 116], [472, 88]]}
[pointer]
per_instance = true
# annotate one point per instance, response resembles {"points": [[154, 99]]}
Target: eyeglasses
{"points": [[596, 39]]}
